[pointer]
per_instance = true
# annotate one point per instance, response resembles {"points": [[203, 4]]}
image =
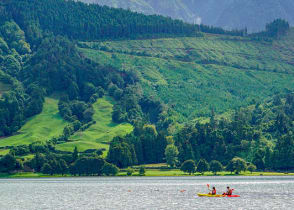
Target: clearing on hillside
{"points": [[41, 127], [4, 87], [100, 134], [195, 74]]}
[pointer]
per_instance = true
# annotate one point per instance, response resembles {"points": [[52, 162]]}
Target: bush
{"points": [[110, 169], [216, 166], [188, 166], [46, 169], [202, 166], [237, 164], [251, 167], [142, 171]]}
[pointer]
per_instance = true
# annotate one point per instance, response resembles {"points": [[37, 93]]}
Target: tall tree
{"points": [[171, 155]]}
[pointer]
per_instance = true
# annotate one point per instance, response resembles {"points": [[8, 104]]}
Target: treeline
{"points": [[47, 161], [218, 30], [273, 30], [81, 21], [236, 165]]}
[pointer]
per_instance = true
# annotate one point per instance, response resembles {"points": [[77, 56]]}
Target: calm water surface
{"points": [[145, 193]]}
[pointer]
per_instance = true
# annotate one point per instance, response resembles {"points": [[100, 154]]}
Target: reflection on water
{"points": [[145, 193]]}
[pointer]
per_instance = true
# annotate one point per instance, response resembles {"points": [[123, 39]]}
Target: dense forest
{"points": [[261, 134], [39, 56]]}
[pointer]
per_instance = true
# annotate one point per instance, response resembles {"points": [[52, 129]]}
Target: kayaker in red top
{"points": [[229, 191], [213, 191]]}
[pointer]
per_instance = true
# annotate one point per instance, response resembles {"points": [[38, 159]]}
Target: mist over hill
{"points": [[229, 14]]}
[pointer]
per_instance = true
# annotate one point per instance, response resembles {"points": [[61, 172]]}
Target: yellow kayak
{"points": [[209, 195]]}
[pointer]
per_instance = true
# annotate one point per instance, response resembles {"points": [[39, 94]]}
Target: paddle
{"points": [[208, 187]]}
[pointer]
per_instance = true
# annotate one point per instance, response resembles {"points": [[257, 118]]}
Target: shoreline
{"points": [[149, 173]]}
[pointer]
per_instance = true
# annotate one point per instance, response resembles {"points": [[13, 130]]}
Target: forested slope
{"points": [[194, 75]]}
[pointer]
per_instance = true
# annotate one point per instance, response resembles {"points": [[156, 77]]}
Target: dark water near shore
{"points": [[145, 193]]}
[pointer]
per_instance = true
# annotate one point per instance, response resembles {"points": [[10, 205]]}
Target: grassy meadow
{"points": [[195, 74], [100, 134], [50, 124], [41, 127]]}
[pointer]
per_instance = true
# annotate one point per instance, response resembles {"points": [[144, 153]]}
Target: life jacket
{"points": [[230, 192], [213, 192]]}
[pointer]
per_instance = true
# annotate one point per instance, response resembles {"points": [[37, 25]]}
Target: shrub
{"points": [[142, 171], [188, 166]]}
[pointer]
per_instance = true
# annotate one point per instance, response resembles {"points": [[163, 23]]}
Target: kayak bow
{"points": [[209, 195]]}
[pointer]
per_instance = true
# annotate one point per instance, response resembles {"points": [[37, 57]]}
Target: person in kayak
{"points": [[213, 191], [229, 191]]}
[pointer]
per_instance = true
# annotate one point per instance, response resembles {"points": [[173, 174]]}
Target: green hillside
{"points": [[41, 127], [49, 124], [99, 134], [194, 75]]}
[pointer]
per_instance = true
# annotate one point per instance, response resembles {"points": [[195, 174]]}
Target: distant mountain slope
{"points": [[229, 14]]}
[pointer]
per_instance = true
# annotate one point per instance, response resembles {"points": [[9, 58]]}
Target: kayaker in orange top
{"points": [[229, 191]]}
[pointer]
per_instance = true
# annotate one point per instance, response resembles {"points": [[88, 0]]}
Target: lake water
{"points": [[145, 193]]}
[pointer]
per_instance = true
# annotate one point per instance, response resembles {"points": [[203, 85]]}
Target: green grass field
{"points": [[4, 151], [196, 74], [41, 127], [100, 134]]}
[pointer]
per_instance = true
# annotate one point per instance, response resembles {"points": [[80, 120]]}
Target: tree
{"points": [[120, 154], [8, 163], [38, 161], [46, 169], [171, 155], [202, 166], [259, 163], [239, 165], [268, 158], [216, 166], [230, 166], [142, 171], [251, 167], [277, 28], [188, 166], [110, 169], [75, 154], [67, 131], [284, 152], [258, 159], [63, 167], [88, 166]]}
